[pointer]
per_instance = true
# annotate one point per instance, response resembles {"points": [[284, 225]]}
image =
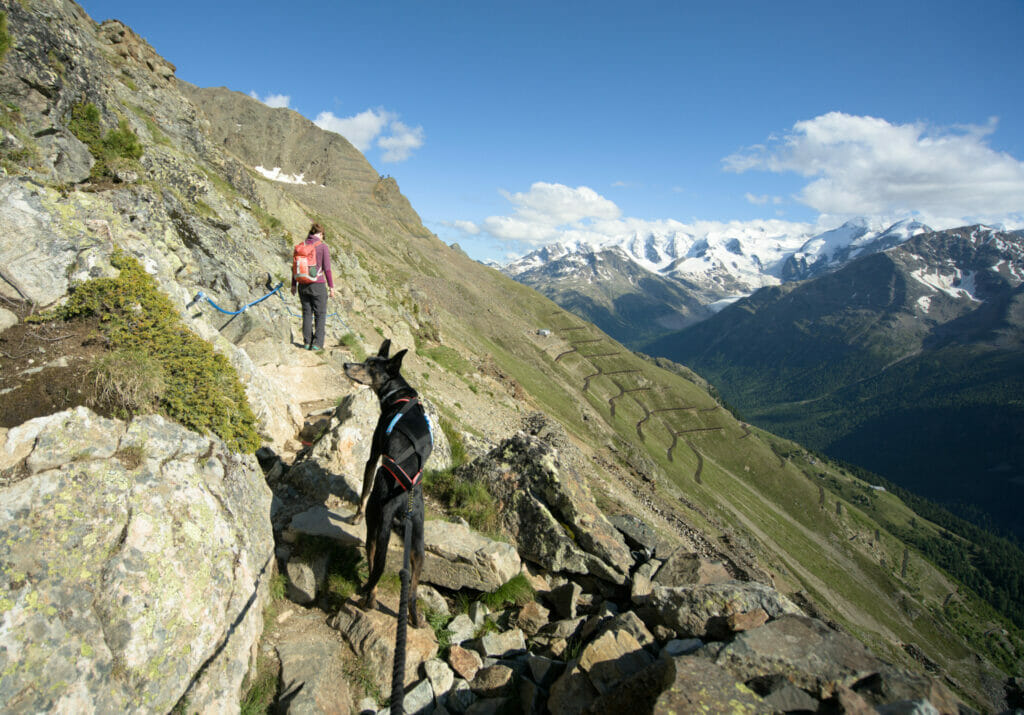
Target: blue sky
{"points": [[509, 125]]}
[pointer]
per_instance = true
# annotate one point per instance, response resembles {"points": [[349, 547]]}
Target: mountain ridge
{"points": [[696, 274]]}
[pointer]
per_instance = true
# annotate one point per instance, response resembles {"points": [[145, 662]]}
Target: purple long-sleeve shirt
{"points": [[323, 261]]}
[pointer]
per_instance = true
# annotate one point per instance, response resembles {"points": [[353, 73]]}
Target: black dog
{"points": [[402, 442]]}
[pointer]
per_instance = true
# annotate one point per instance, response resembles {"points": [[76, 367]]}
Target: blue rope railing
{"points": [[202, 296]]}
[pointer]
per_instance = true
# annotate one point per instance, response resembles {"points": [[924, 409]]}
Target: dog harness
{"points": [[419, 442]]}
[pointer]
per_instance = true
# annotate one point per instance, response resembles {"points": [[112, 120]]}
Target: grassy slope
{"points": [[753, 488]]}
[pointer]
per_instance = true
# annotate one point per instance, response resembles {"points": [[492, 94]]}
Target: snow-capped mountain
{"points": [[730, 263], [712, 269]]}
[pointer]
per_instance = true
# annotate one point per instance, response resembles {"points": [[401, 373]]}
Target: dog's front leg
{"points": [[369, 472]]}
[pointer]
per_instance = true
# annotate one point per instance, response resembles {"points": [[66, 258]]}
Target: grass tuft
{"points": [[468, 500], [517, 591]]}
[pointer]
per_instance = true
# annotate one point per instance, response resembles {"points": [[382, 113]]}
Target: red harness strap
{"points": [[404, 481]]}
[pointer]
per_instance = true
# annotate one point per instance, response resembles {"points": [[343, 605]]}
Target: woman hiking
{"points": [[312, 278]]}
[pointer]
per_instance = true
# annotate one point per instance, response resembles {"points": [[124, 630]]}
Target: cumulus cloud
{"points": [[555, 212], [360, 129], [862, 165], [375, 127], [467, 227], [547, 210], [401, 143], [272, 100]]}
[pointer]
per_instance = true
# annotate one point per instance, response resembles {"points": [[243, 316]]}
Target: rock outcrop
{"points": [[548, 510], [105, 602]]}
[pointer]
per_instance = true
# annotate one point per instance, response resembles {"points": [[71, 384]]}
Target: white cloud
{"points": [[272, 100], [554, 212], [467, 227], [756, 200], [868, 166], [375, 127], [403, 140], [361, 129], [546, 210]]}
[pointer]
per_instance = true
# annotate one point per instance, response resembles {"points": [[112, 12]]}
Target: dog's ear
{"points": [[395, 364], [385, 348]]}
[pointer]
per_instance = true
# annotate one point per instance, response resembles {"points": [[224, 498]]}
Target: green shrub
{"points": [[201, 389], [5, 37], [110, 149], [122, 143]]}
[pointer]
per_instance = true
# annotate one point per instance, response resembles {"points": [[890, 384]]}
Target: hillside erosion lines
{"points": [[622, 391], [700, 462]]}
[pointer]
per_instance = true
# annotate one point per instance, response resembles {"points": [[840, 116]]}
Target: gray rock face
{"points": [[137, 557], [811, 655], [549, 511], [691, 611]]}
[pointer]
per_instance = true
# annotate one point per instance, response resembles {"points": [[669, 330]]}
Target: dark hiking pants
{"points": [[313, 297]]}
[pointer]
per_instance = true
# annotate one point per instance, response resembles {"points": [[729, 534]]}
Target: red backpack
{"points": [[304, 267]]}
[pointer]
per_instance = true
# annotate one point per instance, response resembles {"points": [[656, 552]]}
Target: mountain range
{"points": [[644, 285], [909, 362]]}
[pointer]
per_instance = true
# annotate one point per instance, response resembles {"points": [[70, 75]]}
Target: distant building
{"points": [[543, 332]]}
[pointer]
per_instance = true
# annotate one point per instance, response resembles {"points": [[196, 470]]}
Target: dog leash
{"points": [[398, 670]]}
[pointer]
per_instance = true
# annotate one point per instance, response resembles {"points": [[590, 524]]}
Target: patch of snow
{"points": [[924, 303], [276, 174], [955, 285], [724, 303]]}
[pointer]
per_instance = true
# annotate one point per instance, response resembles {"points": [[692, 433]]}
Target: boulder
{"points": [[137, 563], [611, 657], [462, 628], [68, 160], [496, 681], [440, 676], [547, 509], [306, 577], [565, 598], [698, 685], [642, 582], [684, 568], [814, 657], [458, 557], [371, 634], [532, 617], [501, 645], [464, 662], [573, 692], [431, 600], [25, 221], [311, 672], [418, 700], [7, 319], [639, 535], [699, 610]]}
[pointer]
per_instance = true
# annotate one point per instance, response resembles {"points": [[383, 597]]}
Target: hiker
{"points": [[311, 276]]}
